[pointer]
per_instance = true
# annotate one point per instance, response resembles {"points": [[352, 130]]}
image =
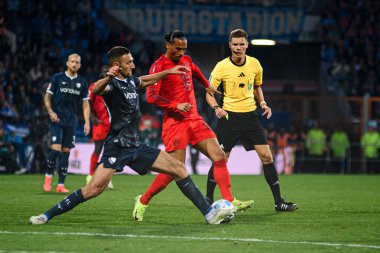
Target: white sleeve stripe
{"points": [[48, 91], [86, 98]]}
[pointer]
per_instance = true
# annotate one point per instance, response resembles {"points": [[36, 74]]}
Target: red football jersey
{"points": [[98, 108], [175, 89]]}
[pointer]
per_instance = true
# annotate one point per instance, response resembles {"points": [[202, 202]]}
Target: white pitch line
{"points": [[350, 245]]}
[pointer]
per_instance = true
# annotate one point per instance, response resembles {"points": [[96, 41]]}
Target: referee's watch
{"points": [[215, 107]]}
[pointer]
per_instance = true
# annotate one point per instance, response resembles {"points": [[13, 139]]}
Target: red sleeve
{"points": [[90, 92], [197, 73], [152, 92]]}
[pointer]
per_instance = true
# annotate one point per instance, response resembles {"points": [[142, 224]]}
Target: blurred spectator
{"points": [[149, 134], [316, 146], [8, 162], [296, 141], [316, 140], [284, 158], [370, 143], [340, 145]]}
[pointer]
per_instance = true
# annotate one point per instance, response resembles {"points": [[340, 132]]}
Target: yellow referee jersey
{"points": [[238, 82]]}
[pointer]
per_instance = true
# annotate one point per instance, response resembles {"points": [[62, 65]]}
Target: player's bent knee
{"points": [[266, 157], [179, 170], [218, 156]]}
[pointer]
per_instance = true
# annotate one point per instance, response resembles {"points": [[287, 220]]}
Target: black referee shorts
{"points": [[243, 126]]}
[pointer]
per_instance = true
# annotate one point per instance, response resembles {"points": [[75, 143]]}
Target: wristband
{"points": [[262, 102], [215, 107]]}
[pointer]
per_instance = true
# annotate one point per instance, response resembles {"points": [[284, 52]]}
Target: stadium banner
{"points": [[213, 23], [241, 162]]}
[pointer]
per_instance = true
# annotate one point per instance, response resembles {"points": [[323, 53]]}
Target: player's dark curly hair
{"points": [[117, 52], [177, 34], [238, 33]]}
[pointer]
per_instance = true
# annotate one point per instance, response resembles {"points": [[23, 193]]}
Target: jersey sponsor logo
{"points": [[241, 75], [112, 160], [70, 91], [131, 96], [78, 85]]}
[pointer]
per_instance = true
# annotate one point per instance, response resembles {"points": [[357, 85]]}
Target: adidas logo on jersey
{"points": [[241, 75]]}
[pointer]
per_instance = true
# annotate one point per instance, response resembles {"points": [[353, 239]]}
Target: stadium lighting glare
{"points": [[263, 42]]}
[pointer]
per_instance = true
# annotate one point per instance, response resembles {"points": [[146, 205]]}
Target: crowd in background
{"points": [[48, 32], [351, 46]]}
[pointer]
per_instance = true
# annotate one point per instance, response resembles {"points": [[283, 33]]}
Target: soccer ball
{"points": [[223, 204]]}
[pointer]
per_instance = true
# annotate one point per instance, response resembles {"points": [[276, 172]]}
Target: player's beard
{"points": [[125, 75]]}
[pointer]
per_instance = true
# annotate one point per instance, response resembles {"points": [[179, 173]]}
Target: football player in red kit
{"points": [[182, 123]]}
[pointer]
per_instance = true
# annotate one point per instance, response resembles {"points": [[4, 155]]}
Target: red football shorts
{"points": [[99, 132], [179, 135]]}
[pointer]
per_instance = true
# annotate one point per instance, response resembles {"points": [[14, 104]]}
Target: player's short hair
{"points": [[238, 33], [177, 34], [116, 52], [73, 55]]}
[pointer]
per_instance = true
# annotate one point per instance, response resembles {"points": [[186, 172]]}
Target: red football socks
{"points": [[158, 184], [222, 179]]}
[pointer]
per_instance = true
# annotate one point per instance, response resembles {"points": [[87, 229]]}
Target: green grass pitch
{"points": [[336, 214]]}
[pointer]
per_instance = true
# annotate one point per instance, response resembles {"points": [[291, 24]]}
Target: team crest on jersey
{"points": [[250, 86], [176, 142], [63, 83], [112, 160], [78, 85], [54, 138]]}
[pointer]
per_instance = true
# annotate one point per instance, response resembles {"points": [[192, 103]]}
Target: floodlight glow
{"points": [[263, 42]]}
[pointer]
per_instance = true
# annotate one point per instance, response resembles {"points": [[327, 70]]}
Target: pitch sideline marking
{"points": [[351, 245]]}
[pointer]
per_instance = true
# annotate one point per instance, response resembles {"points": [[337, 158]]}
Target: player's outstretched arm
{"points": [[197, 73], [148, 80], [101, 86]]}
